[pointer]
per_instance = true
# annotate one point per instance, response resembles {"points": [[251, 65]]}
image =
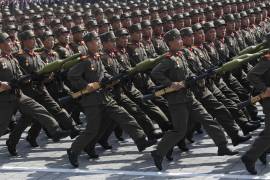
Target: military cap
{"points": [[98, 11], [186, 15], [55, 22], [3, 37], [25, 35], [243, 14], [208, 9], [90, 36], [39, 25], [76, 15], [187, 31], [125, 16], [187, 4], [229, 18], [163, 8], [153, 9], [172, 35], [237, 16], [177, 17], [121, 32], [11, 27], [61, 30], [194, 12], [115, 18], [156, 22], [145, 12], [145, 23], [46, 34], [201, 10], [219, 22], [178, 5], [257, 10], [239, 1], [208, 25], [67, 18], [103, 22], [27, 27], [196, 27], [217, 5], [107, 36], [36, 17], [91, 23], [136, 13], [76, 29], [166, 19], [10, 19], [263, 5], [48, 13], [135, 28], [250, 11]]}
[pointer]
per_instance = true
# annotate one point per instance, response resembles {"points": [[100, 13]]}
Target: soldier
{"points": [[178, 20], [147, 33], [12, 98], [91, 25], [159, 44], [98, 103], [172, 71], [202, 93], [63, 46], [12, 32], [39, 29], [103, 26], [258, 77], [77, 45], [30, 62], [218, 86]]}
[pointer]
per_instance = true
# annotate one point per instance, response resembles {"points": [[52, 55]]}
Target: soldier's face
{"points": [[179, 24], [148, 31], [195, 19], [211, 35], [64, 38], [245, 22], [109, 45], [230, 27], [187, 22], [219, 12], [176, 44], [158, 29], [29, 43], [6, 46], [137, 36], [78, 36], [227, 9], [188, 40], [122, 41], [93, 46], [210, 16], [221, 31], [49, 42], [199, 37]]}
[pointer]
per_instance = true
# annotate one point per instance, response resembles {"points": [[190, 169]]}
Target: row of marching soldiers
{"points": [[211, 104]]}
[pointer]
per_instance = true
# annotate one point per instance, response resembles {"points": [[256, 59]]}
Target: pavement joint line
{"points": [[129, 173]]}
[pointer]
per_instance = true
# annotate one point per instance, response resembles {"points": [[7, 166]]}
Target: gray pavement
{"points": [[49, 162]]}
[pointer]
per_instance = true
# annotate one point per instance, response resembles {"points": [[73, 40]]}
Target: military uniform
{"points": [[30, 62], [205, 96], [97, 104], [158, 41], [182, 103], [14, 100], [78, 45], [259, 78]]}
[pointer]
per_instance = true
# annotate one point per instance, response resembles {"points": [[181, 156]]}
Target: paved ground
{"points": [[49, 162]]}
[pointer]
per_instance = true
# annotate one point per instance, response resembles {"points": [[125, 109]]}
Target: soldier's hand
{"points": [[4, 86], [267, 92], [90, 87], [178, 85]]}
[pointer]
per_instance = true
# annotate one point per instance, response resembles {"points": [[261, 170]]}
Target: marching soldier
{"points": [[259, 78], [172, 71], [98, 103], [12, 99]]}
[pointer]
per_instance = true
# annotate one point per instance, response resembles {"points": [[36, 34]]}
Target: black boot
{"points": [[105, 145], [249, 127], [73, 158], [32, 141], [60, 134], [224, 150], [92, 153], [240, 139], [169, 155], [158, 135], [142, 144], [250, 165], [157, 159], [182, 145], [263, 158], [75, 132], [11, 148]]}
